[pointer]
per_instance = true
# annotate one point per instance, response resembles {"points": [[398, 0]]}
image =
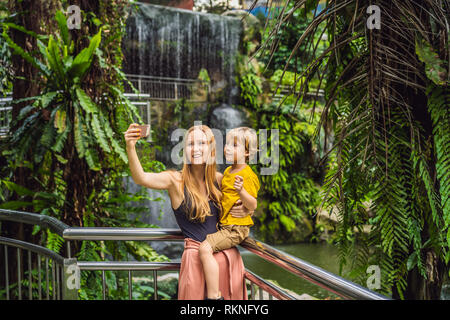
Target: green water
{"points": [[322, 255]]}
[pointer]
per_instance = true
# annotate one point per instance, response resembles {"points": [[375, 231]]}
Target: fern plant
{"points": [[290, 196], [5, 59], [387, 100], [50, 115], [438, 102], [74, 137]]}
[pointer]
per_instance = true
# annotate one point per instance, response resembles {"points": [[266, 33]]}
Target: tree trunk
{"points": [[429, 288], [32, 15]]}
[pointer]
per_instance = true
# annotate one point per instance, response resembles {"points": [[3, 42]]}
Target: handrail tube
{"points": [[128, 265], [139, 96], [35, 219], [137, 76], [106, 233], [322, 278], [267, 286], [32, 247], [314, 274]]}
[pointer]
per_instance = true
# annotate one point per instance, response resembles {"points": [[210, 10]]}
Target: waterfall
{"points": [[176, 43]]}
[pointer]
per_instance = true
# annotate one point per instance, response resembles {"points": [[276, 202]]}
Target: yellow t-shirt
{"points": [[230, 195]]}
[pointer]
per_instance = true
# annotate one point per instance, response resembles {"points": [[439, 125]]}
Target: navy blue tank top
{"points": [[195, 229]]}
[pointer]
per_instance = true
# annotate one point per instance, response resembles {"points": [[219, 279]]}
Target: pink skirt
{"points": [[191, 283]]}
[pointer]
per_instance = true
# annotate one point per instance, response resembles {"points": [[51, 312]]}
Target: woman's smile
{"points": [[197, 147]]}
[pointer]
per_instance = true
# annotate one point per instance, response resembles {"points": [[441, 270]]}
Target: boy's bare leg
{"points": [[210, 269]]}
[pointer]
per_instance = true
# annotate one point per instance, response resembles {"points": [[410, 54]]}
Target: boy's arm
{"points": [[248, 200]]}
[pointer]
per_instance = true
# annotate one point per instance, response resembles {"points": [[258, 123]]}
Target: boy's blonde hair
{"points": [[247, 137]]}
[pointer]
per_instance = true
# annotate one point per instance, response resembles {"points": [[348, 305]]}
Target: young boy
{"points": [[239, 182]]}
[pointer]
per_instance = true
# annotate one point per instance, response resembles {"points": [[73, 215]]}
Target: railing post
{"points": [[71, 280], [149, 118]]}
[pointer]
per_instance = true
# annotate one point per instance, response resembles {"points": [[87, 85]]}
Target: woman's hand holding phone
{"points": [[132, 135]]}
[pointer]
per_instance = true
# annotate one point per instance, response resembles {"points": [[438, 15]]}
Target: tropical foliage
{"points": [[290, 196], [69, 138], [286, 38], [387, 99]]}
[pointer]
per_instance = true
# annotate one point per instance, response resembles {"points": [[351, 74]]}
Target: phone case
{"points": [[145, 130]]}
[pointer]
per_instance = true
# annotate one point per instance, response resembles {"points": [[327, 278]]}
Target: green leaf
{"points": [[47, 98], [20, 190], [83, 60], [99, 134], [25, 55], [110, 134], [60, 120], [22, 29], [48, 135], [36, 229], [412, 261], [62, 23], [42, 49], [288, 223], [433, 65], [60, 139], [60, 159], [68, 62], [14, 205], [92, 159], [54, 58], [85, 101], [130, 109], [54, 241], [80, 144], [46, 195], [24, 111]]}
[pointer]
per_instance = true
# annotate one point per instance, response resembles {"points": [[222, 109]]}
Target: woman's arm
{"points": [[160, 181]]}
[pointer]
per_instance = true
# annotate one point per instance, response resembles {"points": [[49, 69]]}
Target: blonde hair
{"points": [[247, 137], [196, 203]]}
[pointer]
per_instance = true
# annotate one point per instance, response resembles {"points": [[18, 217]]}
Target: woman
{"points": [[195, 197]]}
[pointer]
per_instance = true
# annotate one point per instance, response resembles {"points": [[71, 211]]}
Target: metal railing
{"points": [[302, 269], [143, 104], [5, 115], [150, 89], [52, 260], [285, 91], [168, 89], [141, 101]]}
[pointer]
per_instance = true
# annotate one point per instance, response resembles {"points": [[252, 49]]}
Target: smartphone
{"points": [[145, 130]]}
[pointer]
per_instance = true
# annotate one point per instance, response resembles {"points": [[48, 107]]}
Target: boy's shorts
{"points": [[227, 237]]}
